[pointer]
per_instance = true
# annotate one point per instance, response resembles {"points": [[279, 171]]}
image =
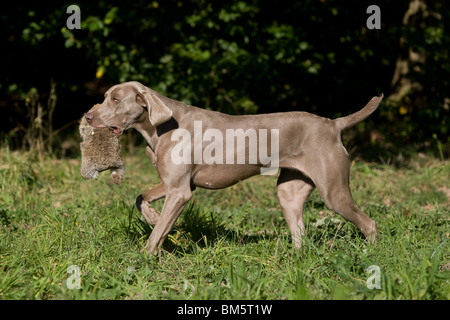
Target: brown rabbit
{"points": [[100, 151]]}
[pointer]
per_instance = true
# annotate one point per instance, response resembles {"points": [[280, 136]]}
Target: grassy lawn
{"points": [[59, 232]]}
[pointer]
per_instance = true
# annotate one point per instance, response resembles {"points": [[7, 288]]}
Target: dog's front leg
{"points": [[174, 203], [144, 200]]}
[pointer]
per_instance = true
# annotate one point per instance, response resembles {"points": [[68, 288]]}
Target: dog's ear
{"points": [[158, 112]]}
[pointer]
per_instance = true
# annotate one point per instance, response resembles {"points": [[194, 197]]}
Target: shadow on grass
{"points": [[195, 227], [199, 227]]}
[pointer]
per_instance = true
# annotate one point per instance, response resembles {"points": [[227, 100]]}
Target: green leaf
{"points": [[111, 15], [69, 43]]}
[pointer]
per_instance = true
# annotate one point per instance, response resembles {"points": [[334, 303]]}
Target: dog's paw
{"points": [[150, 214]]}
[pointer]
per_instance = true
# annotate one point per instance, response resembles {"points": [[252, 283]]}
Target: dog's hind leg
{"points": [[339, 199], [331, 175], [293, 189]]}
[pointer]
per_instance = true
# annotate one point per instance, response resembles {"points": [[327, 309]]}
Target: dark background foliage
{"points": [[239, 57]]}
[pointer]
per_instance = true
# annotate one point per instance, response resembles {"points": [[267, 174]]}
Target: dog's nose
{"points": [[89, 117]]}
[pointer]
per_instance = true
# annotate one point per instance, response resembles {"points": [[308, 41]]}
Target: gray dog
{"points": [[307, 148]]}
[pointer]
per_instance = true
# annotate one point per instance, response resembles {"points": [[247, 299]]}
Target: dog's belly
{"points": [[222, 175]]}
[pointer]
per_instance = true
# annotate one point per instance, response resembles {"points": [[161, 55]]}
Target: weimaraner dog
{"points": [[309, 154]]}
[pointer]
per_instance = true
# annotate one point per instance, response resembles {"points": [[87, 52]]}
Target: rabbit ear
{"points": [[158, 112]]}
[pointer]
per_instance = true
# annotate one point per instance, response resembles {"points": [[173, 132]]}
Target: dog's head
{"points": [[124, 105]]}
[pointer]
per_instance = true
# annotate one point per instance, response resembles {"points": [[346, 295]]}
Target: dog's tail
{"points": [[351, 120]]}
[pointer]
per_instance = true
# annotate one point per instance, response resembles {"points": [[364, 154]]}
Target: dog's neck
{"points": [[145, 128]]}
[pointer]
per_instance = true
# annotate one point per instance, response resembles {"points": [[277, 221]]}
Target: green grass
{"points": [[227, 244]]}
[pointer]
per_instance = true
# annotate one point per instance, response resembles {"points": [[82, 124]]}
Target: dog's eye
{"points": [[115, 99]]}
